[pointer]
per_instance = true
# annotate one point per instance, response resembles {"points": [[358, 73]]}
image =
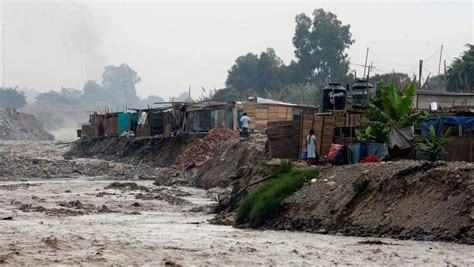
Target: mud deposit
{"points": [[86, 221]]}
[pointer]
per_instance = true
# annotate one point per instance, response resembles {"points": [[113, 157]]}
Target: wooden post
{"points": [[440, 56], [366, 56], [420, 71], [445, 77], [350, 140]]}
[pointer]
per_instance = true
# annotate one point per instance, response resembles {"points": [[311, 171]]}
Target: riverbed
{"points": [[92, 220]]}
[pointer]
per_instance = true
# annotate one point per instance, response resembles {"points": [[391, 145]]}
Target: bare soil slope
{"points": [[406, 199], [156, 152], [22, 126]]}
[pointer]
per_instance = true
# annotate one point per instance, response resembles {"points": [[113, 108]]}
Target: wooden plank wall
{"points": [[261, 117], [262, 114], [143, 131], [112, 126], [324, 126], [283, 139], [251, 111]]}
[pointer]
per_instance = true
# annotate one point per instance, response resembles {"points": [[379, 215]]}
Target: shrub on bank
{"points": [[264, 204]]}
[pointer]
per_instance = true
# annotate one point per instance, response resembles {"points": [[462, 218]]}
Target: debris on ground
{"points": [[22, 160], [202, 150]]}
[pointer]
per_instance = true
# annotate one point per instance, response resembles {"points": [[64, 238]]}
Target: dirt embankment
{"points": [[23, 160], [155, 152], [22, 126], [406, 199]]}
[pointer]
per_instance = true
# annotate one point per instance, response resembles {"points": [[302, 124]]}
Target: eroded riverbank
{"points": [[107, 220]]}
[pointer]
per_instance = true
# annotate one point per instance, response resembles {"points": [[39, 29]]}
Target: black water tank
{"points": [[360, 92], [334, 97]]}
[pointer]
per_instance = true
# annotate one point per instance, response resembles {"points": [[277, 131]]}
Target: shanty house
{"points": [[205, 116], [443, 100], [111, 124], [127, 121], [154, 122]]}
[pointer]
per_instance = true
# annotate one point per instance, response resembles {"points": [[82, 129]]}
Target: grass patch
{"points": [[264, 204], [285, 167]]}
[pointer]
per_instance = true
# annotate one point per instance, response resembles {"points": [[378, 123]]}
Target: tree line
{"points": [[320, 44], [116, 90]]}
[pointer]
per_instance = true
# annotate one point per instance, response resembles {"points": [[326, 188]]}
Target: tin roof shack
{"points": [[111, 124], [446, 101], [261, 111], [127, 121], [284, 136], [205, 116], [96, 126], [157, 121], [331, 128]]}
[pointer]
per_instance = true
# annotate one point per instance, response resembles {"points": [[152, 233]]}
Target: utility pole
{"points": [[368, 71], [445, 77], [366, 56], [440, 56], [419, 73], [189, 97], [302, 95]]}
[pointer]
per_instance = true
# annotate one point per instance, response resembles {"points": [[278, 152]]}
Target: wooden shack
{"points": [[330, 128], [153, 122], [261, 111], [111, 124], [205, 116]]}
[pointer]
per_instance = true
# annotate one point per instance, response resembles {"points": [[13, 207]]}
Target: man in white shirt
{"points": [[245, 121]]}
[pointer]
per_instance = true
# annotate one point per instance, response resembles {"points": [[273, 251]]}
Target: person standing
{"points": [[245, 121], [311, 148]]}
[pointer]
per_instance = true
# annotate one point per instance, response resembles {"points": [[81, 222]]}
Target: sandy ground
{"points": [[84, 221], [155, 232]]}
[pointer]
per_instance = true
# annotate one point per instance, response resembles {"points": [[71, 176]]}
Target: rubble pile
{"points": [[21, 126], [201, 151], [21, 167]]}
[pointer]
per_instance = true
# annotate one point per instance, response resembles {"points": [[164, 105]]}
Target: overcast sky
{"points": [[175, 45]]}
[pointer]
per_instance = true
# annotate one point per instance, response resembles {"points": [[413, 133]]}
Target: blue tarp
{"points": [[126, 120], [467, 124]]}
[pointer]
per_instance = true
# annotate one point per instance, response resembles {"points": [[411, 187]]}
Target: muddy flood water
{"points": [[98, 221]]}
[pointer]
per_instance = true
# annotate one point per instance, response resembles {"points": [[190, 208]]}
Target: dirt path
{"points": [[115, 227]]}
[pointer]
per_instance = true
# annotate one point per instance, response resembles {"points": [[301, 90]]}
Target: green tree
{"points": [[150, 101], [436, 83], [306, 94], [119, 82], [398, 79], [56, 99], [434, 145], [12, 98], [320, 45], [94, 95], [257, 73], [461, 72], [227, 94], [390, 108]]}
